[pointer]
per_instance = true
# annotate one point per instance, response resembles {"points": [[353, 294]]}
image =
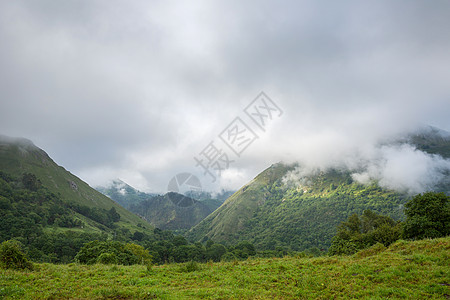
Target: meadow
{"points": [[405, 270]]}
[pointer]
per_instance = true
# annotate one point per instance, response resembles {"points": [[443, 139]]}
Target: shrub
{"points": [[427, 216], [12, 256], [140, 252], [340, 246], [360, 232], [106, 252], [107, 258], [190, 267]]}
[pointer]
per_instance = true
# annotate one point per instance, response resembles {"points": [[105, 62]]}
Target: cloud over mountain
{"points": [[135, 90]]}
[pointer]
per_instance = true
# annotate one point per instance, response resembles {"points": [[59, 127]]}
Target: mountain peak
{"points": [[18, 141]]}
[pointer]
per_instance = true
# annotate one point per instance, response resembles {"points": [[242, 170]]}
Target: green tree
{"points": [[427, 216], [140, 252], [215, 252], [360, 232], [113, 215], [116, 252], [12, 256], [30, 182]]}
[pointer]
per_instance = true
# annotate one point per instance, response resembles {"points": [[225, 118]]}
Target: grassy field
{"points": [[410, 270]]}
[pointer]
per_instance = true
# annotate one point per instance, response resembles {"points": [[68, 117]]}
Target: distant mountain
{"points": [[124, 194], [272, 211], [431, 140], [20, 156], [212, 200], [170, 211]]}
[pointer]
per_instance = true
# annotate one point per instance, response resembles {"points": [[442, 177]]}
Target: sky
{"points": [[137, 90]]}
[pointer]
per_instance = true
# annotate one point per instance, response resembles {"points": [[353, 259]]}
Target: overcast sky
{"points": [[136, 89]]}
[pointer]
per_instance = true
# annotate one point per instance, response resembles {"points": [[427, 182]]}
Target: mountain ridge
{"points": [[19, 156], [270, 212]]}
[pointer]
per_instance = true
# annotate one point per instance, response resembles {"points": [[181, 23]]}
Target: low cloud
{"points": [[404, 168], [397, 166], [135, 90]]}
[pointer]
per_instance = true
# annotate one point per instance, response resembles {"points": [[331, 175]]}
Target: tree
{"points": [[360, 232], [12, 256], [107, 252], [140, 252], [427, 216], [215, 252], [30, 182], [113, 215]]}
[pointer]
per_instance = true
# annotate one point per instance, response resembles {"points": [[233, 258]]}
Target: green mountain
{"points": [[171, 211], [271, 211], [41, 201]]}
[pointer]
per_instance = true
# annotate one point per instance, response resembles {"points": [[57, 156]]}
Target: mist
{"points": [[394, 164]]}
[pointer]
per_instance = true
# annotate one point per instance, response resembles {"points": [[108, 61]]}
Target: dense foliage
{"points": [[49, 229], [427, 216], [112, 252], [360, 232], [13, 257]]}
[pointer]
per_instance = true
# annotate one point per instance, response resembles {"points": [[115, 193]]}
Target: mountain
{"points": [[124, 194], [171, 211], [212, 200], [32, 180], [275, 211]]}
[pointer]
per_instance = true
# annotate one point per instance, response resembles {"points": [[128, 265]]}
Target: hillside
{"points": [[272, 211], [407, 270], [38, 192]]}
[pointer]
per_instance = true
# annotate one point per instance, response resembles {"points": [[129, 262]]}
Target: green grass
{"points": [[409, 270]]}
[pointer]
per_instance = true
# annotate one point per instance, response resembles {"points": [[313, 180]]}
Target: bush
{"points": [[190, 267], [360, 232], [340, 246], [107, 252], [427, 216], [107, 258], [12, 256]]}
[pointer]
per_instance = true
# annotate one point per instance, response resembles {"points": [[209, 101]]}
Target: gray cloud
{"points": [[136, 89]]}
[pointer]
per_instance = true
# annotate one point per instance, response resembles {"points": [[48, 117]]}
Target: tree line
{"points": [[427, 216]]}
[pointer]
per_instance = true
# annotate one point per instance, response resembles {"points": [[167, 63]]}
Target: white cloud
{"points": [[113, 89]]}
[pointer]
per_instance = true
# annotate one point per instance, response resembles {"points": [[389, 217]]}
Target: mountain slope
{"points": [[272, 211], [19, 156]]}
